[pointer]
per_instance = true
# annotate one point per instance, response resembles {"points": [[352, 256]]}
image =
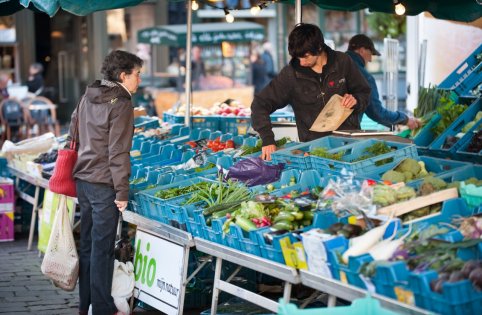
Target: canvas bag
{"points": [[62, 180], [61, 261]]}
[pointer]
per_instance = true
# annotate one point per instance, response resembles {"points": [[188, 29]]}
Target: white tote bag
{"points": [[61, 261]]}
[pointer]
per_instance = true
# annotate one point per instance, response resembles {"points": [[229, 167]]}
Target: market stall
{"points": [[226, 48]]}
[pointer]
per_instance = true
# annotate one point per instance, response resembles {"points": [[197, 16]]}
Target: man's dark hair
{"points": [[305, 38], [117, 62]]}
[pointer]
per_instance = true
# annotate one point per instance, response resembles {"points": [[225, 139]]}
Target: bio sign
{"points": [[158, 266]]}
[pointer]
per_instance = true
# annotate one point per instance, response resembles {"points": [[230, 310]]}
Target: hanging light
{"points": [[194, 5], [255, 10], [399, 7], [229, 17]]}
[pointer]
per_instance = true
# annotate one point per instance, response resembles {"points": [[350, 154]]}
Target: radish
{"points": [[386, 248], [362, 244]]}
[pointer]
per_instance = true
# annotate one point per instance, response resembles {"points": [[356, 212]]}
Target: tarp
{"points": [[202, 34], [456, 10], [77, 7]]}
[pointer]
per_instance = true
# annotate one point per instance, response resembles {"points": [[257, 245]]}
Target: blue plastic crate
{"points": [[172, 119], [213, 233], [355, 150], [457, 298], [462, 71], [426, 136], [391, 278], [154, 206], [462, 153], [238, 125], [299, 160], [350, 273], [456, 127], [248, 241], [440, 167], [146, 122]]}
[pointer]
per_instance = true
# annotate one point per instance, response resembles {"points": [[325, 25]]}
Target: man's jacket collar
{"points": [[356, 57]]}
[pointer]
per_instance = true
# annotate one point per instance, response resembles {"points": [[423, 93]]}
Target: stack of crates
{"points": [[7, 207]]}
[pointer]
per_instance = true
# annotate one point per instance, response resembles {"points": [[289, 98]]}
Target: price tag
{"points": [[404, 296], [343, 277]]}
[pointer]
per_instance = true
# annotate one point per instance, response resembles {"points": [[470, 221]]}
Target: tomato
{"points": [[209, 143], [192, 144], [230, 144], [221, 146], [217, 140]]}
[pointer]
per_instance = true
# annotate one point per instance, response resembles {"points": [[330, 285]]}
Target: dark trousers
{"points": [[99, 217]]}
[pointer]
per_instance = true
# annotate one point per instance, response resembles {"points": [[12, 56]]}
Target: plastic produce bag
{"points": [[254, 171], [344, 193]]}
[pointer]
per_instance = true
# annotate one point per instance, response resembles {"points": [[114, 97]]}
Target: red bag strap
{"points": [[75, 133]]}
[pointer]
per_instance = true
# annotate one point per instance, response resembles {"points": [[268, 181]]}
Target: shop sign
{"points": [[158, 265]]}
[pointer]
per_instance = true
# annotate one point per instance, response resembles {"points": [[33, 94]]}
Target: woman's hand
{"points": [[348, 101], [121, 205]]}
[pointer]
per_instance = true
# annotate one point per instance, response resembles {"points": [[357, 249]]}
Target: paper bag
{"points": [[332, 115]]}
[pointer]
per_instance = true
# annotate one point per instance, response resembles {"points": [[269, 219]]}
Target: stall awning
{"points": [[456, 10], [77, 7], [202, 34]]}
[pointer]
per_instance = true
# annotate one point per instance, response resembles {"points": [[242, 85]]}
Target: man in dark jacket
{"points": [[105, 122], [314, 74], [361, 49]]}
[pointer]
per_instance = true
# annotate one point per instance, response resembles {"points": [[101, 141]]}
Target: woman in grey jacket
{"points": [[105, 129]]}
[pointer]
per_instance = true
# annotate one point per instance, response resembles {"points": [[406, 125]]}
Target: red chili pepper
{"points": [[230, 144]]}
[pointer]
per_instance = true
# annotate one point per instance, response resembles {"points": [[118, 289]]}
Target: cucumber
{"points": [[297, 215], [283, 225], [245, 224], [222, 213], [284, 216], [222, 206]]}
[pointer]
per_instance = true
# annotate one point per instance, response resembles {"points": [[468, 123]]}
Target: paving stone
{"points": [[21, 299], [45, 307], [48, 302], [15, 288]]}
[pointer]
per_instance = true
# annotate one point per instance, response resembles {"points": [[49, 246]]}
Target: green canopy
{"points": [[77, 7], [202, 34], [457, 10]]}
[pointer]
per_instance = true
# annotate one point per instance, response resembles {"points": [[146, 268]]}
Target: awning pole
{"points": [[187, 119], [298, 11]]}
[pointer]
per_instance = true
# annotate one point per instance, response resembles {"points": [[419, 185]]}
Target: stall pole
{"points": [[187, 119], [298, 11]]}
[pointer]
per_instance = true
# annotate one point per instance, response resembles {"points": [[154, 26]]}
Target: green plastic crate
{"points": [[365, 306]]}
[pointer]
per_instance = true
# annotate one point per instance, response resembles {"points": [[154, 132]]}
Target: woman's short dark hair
{"points": [[305, 38], [119, 61]]}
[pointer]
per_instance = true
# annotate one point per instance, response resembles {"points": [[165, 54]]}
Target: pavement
{"points": [[25, 290], [23, 287]]}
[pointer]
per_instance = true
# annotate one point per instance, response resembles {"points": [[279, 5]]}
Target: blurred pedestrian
{"points": [[35, 82], [258, 71], [267, 57]]}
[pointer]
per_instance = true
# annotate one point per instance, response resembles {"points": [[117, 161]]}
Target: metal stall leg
{"points": [[331, 300], [34, 217], [287, 292], [217, 278]]}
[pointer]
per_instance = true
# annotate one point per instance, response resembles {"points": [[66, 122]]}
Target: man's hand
{"points": [[121, 205], [348, 101], [266, 152], [413, 123]]}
